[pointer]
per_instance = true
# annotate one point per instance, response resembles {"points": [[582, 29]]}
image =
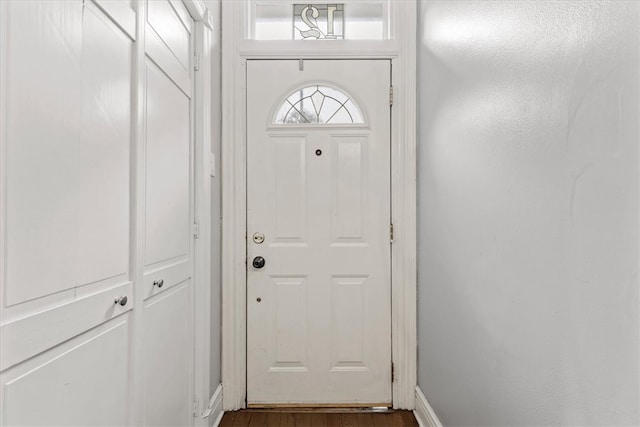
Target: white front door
{"points": [[318, 218]]}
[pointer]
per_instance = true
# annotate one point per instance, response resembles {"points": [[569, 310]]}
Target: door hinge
{"points": [[196, 407], [391, 95], [196, 230], [391, 231], [196, 61], [393, 372]]}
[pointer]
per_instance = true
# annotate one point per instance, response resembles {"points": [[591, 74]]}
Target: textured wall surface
{"points": [[528, 212]]}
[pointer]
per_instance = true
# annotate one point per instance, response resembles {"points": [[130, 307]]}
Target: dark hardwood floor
{"points": [[312, 418]]}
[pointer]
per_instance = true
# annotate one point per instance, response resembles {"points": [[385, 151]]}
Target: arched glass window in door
{"points": [[319, 104]]}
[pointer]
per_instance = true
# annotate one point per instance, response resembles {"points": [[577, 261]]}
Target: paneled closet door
{"points": [[65, 278], [167, 355]]}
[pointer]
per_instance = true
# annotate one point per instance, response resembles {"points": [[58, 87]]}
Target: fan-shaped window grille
{"points": [[318, 104]]}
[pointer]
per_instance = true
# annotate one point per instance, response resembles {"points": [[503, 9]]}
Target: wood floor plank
{"points": [[364, 419], [303, 419], [227, 419], [334, 420], [409, 419], [287, 420], [242, 419], [395, 419], [319, 420], [273, 418], [380, 420], [349, 420], [258, 419]]}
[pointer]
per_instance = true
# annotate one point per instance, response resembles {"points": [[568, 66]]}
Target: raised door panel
{"points": [[42, 138], [167, 183], [349, 329], [104, 151], [350, 190], [283, 310], [290, 196], [83, 382], [67, 136], [168, 357], [167, 170], [27, 336]]}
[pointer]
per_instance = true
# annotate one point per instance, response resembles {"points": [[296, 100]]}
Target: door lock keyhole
{"points": [[318, 152]]}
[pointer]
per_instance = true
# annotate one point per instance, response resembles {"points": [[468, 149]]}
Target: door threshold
{"points": [[320, 407]]}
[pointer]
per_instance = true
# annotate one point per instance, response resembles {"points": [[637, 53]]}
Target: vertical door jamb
{"points": [[201, 215]]}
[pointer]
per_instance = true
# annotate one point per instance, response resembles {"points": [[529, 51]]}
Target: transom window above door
{"points": [[296, 20], [318, 105]]}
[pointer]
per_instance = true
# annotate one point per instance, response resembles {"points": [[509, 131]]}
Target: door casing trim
{"points": [[201, 124], [401, 50]]}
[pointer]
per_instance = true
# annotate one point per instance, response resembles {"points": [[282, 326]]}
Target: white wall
{"points": [[528, 212]]}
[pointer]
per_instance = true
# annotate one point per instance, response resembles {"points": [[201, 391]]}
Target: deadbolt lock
{"points": [[258, 238]]}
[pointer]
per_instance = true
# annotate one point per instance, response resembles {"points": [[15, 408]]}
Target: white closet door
{"points": [[168, 331], [65, 115]]}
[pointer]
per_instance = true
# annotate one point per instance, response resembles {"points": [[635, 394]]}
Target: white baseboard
{"points": [[424, 413], [214, 412]]}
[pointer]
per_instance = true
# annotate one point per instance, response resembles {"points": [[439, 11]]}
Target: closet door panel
{"points": [[83, 382], [68, 136], [167, 170], [168, 357], [104, 152], [41, 126]]}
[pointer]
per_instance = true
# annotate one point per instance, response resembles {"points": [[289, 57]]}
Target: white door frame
{"points": [[401, 50], [202, 207]]}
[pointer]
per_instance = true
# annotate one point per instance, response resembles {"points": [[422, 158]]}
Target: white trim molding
{"points": [[199, 12], [424, 413], [214, 412], [196, 8], [401, 50], [202, 214], [233, 334], [403, 208]]}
